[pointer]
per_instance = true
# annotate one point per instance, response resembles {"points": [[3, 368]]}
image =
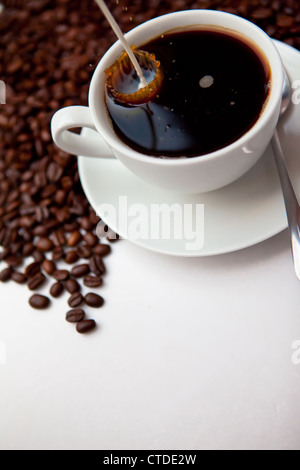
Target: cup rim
{"points": [[277, 75]]}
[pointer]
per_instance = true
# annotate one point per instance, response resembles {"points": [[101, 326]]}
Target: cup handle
{"points": [[76, 144]]}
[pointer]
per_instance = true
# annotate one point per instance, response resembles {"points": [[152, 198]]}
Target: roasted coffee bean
{"points": [[56, 289], [41, 213], [84, 251], [5, 274], [102, 249], [60, 197], [48, 190], [49, 266], [38, 256], [13, 197], [15, 248], [93, 281], [40, 231], [94, 218], [80, 270], [75, 300], [18, 277], [14, 260], [75, 315], [71, 226], [61, 274], [85, 326], [27, 249], [91, 239], [27, 175], [39, 301], [72, 286], [71, 257], [26, 221], [262, 13], [96, 265], [74, 238], [284, 21], [12, 206], [40, 179], [44, 244], [5, 237], [54, 172], [36, 281], [9, 216], [86, 224], [58, 238], [57, 253], [32, 269], [67, 183], [94, 300]]}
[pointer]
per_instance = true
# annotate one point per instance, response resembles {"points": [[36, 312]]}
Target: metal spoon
{"points": [[291, 203]]}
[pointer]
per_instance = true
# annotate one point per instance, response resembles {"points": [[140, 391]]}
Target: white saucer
{"points": [[242, 214]]}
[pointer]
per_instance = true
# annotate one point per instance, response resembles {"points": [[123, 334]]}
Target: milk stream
{"points": [[114, 25]]}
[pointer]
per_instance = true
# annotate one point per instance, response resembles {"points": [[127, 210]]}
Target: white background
{"points": [[189, 354]]}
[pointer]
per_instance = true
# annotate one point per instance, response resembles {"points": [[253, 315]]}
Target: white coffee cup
{"points": [[190, 175]]}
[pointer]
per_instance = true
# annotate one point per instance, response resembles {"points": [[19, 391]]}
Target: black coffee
{"points": [[213, 91]]}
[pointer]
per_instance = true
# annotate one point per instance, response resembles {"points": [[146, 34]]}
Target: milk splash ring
{"points": [[123, 68]]}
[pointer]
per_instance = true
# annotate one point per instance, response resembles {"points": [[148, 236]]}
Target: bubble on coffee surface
{"points": [[207, 81], [123, 84]]}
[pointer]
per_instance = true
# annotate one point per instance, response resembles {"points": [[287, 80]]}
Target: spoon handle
{"points": [[291, 203]]}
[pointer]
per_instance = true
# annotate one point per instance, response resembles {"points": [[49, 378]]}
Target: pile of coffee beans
{"points": [[47, 227], [48, 52]]}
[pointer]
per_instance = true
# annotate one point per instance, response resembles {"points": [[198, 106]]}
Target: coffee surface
{"points": [[213, 91]]}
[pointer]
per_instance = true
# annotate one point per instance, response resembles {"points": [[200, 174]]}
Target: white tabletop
{"points": [[189, 354]]}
